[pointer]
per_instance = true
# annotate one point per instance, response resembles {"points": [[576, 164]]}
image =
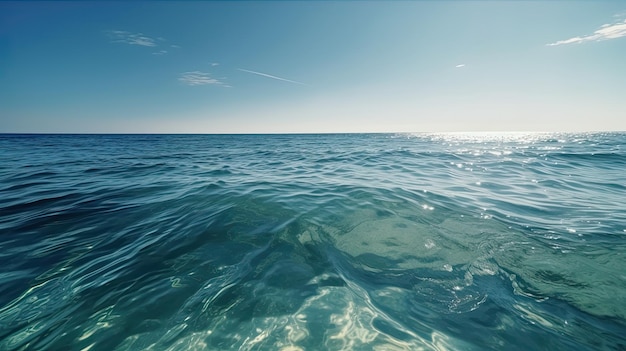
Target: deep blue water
{"points": [[313, 242]]}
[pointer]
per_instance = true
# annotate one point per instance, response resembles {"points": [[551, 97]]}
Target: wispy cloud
{"points": [[160, 52], [459, 66], [620, 15], [214, 64], [200, 78], [122, 36], [606, 31], [270, 76]]}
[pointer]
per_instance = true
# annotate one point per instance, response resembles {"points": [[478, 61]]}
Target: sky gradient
{"points": [[311, 67]]}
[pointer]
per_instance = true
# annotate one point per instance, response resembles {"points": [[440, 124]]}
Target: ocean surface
{"points": [[455, 241]]}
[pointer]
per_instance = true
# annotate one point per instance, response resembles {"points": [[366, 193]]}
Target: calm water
{"points": [[313, 242]]}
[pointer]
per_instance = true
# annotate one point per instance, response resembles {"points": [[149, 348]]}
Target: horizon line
{"points": [[316, 133]]}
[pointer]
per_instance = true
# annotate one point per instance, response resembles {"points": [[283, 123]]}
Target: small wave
{"points": [[307, 242]]}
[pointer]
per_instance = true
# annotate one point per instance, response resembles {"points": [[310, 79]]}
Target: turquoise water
{"points": [[313, 242]]}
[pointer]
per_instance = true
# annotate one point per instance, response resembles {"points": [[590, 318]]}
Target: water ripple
{"points": [[307, 242]]}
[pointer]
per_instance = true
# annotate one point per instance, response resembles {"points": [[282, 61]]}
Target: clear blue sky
{"points": [[258, 67]]}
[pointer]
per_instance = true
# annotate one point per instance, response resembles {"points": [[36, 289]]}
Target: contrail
{"points": [[270, 76]]}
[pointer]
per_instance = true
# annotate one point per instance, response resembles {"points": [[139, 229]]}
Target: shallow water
{"points": [[308, 242]]}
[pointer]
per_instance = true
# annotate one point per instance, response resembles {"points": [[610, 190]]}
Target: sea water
{"points": [[501, 241]]}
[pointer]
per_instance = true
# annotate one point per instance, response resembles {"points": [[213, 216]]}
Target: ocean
{"points": [[457, 241]]}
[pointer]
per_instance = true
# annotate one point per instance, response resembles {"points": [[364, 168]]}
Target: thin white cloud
{"points": [[459, 66], [122, 36], [213, 64], [269, 76], [606, 32], [160, 52], [200, 78]]}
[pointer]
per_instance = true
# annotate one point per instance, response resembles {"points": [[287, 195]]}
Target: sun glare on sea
{"points": [[490, 137]]}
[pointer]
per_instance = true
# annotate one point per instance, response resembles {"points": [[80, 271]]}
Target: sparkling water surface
{"points": [[510, 241]]}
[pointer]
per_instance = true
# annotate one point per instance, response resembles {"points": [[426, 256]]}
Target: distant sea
{"points": [[513, 241]]}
